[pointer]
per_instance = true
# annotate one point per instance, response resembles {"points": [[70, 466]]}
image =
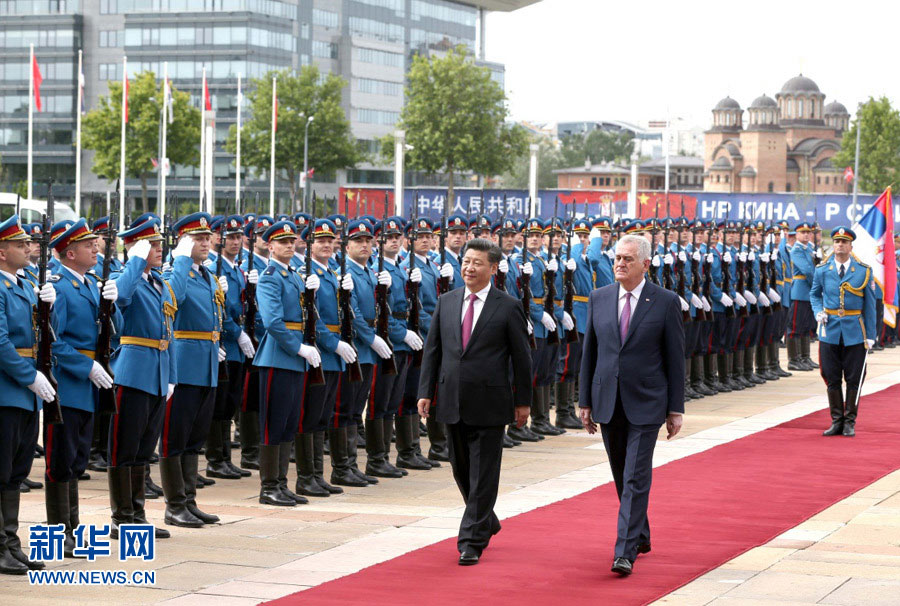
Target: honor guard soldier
{"points": [[298, 261], [282, 361], [198, 351], [24, 388], [77, 305], [802, 322], [601, 252], [35, 230], [842, 298], [455, 239], [144, 370]]}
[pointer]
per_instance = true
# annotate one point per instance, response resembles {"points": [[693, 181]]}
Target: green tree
{"points": [[598, 146], [101, 131], [879, 145], [300, 95], [549, 159], [455, 120]]}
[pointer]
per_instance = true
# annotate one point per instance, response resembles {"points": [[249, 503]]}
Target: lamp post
{"points": [[305, 159]]}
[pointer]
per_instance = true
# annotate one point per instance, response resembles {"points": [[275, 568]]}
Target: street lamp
{"points": [[305, 159]]}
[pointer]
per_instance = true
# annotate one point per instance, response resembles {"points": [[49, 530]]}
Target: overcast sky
{"points": [[592, 59]]}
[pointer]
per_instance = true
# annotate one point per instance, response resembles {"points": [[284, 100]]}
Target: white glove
{"points": [[110, 291], [774, 296], [742, 257], [695, 301], [750, 297], [774, 254], [222, 355], [446, 270], [528, 269], [347, 283], [684, 304], [246, 345], [818, 254], [223, 284], [595, 233], [822, 317], [413, 340], [253, 276], [726, 301], [567, 322], [655, 261], [415, 276], [752, 256], [312, 282], [611, 253], [42, 388], [763, 300], [727, 257], [208, 263], [47, 293], [384, 278], [741, 301], [380, 347], [310, 354], [166, 267], [682, 257], [696, 256], [764, 257], [530, 327], [100, 377], [47, 275], [548, 322], [141, 249], [706, 306], [668, 259], [170, 390], [552, 265], [346, 352], [709, 258], [571, 265], [870, 343], [185, 247], [504, 266]]}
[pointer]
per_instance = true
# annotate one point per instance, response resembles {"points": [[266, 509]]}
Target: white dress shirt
{"points": [[845, 265], [635, 297], [478, 303]]}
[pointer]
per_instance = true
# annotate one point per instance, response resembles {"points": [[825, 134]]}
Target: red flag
{"points": [[38, 78], [207, 102], [125, 109], [848, 174]]}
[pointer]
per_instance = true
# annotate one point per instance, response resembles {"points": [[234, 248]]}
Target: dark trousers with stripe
{"points": [[280, 401], [410, 398], [186, 420], [691, 337], [350, 399], [570, 360], [748, 333], [802, 322], [543, 362], [387, 391], [67, 446], [135, 429], [18, 435], [724, 332], [229, 391], [839, 362], [318, 403], [250, 395], [704, 337]]}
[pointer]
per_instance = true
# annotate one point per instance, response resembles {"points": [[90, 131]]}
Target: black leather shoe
{"points": [[219, 469], [623, 566], [468, 557], [32, 484], [643, 548]]}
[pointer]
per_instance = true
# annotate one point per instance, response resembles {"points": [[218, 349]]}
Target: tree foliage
{"points": [[101, 131], [549, 159], [455, 119], [879, 146], [599, 146], [300, 94]]}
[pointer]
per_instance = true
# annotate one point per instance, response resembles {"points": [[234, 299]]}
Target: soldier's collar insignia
{"points": [[191, 273], [283, 273], [74, 282], [8, 285]]}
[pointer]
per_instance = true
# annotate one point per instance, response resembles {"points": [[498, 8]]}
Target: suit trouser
{"points": [[18, 435], [67, 446], [280, 400], [475, 454], [134, 431], [318, 403], [841, 362], [250, 396], [630, 450], [186, 420], [350, 399], [387, 391]]}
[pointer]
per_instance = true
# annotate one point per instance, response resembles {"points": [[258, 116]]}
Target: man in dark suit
{"points": [[477, 334], [632, 381]]}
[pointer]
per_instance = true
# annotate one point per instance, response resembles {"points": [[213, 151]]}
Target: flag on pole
{"points": [[82, 108], [874, 246], [38, 78], [169, 100], [274, 110], [125, 98], [207, 102], [848, 174]]}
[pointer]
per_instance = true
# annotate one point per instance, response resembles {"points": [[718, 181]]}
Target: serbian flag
{"points": [[37, 78], [848, 174], [207, 102], [874, 246]]}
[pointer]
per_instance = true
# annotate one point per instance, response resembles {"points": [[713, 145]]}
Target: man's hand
{"points": [[522, 413], [673, 424], [586, 421], [423, 405]]}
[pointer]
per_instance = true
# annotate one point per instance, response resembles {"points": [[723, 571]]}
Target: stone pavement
{"points": [[848, 554]]}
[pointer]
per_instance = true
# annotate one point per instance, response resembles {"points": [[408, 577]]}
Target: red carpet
{"points": [[705, 509]]}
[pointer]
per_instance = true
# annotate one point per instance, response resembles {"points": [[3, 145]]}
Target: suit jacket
{"points": [[647, 369], [473, 385]]}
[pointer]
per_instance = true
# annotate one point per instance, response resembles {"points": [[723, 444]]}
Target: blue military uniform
{"points": [[802, 323]]}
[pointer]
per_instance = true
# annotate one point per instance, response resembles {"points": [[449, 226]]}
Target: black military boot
{"points": [[151, 490], [557, 431], [793, 348], [189, 462], [138, 499], [119, 499], [215, 453], [416, 437], [804, 352], [57, 501], [340, 470], [836, 408], [775, 362], [249, 439], [285, 452], [713, 381], [851, 407], [319, 452], [437, 435], [227, 446], [726, 377], [565, 397], [406, 449], [172, 479], [697, 375], [749, 374], [10, 545], [269, 491], [689, 392], [304, 454], [737, 369], [762, 364], [387, 428], [74, 512], [352, 438]]}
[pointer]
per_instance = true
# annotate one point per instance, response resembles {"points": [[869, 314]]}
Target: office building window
{"points": [[370, 28], [110, 71], [377, 57], [443, 11], [112, 38], [398, 6], [327, 19], [324, 50], [108, 7], [379, 87], [377, 116]]}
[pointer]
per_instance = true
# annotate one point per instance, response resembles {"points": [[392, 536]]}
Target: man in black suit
{"points": [[632, 381], [477, 334]]}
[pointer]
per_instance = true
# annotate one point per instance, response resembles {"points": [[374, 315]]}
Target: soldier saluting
{"points": [[843, 301]]}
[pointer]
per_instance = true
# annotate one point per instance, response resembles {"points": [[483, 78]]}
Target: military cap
{"points": [[301, 220], [323, 229], [194, 223], [393, 226], [148, 230], [456, 223], [100, 225], [534, 226], [282, 217], [11, 230], [581, 226], [280, 230], [842, 232], [358, 228], [803, 226], [422, 225], [635, 227], [338, 220], [602, 223], [75, 232]]}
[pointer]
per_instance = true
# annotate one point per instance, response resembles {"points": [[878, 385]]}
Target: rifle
{"points": [[707, 266], [569, 283], [382, 306], [654, 274], [773, 277], [695, 269], [443, 285], [18, 202], [223, 372], [250, 289], [525, 290], [412, 288], [315, 375], [763, 276], [346, 309], [740, 270], [680, 286], [41, 317], [550, 279], [102, 350], [500, 278], [726, 276]]}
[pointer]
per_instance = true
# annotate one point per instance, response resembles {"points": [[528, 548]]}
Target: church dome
{"points": [[836, 109], [799, 84], [763, 102], [727, 103]]}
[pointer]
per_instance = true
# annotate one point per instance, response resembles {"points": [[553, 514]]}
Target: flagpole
{"points": [[163, 161], [237, 175], [30, 123], [202, 138], [272, 149], [122, 189], [856, 163], [78, 136]]}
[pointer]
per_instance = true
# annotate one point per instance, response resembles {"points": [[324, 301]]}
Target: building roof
{"points": [[607, 168], [748, 171], [727, 103], [499, 5], [812, 146], [835, 108], [825, 164], [792, 164], [763, 102], [721, 163], [675, 162], [799, 84]]}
